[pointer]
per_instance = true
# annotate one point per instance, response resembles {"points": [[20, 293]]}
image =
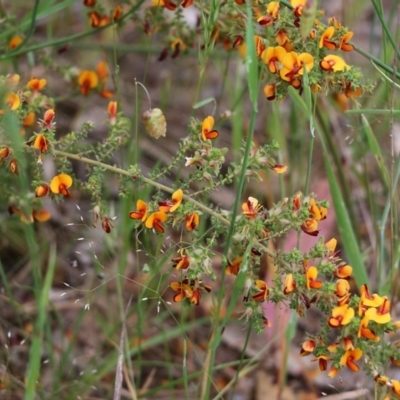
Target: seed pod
{"points": [[154, 122]]}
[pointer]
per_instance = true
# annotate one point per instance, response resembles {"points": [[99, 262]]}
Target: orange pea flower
{"points": [[36, 84], [342, 288], [192, 221], [260, 46], [308, 347], [12, 100], [293, 65], [273, 57], [15, 42], [251, 208], [4, 153], [333, 63], [60, 184], [141, 211], [41, 216], [343, 272], [116, 15], [207, 131], [101, 70], [311, 276], [183, 291], [310, 226], [263, 291], [29, 119], [279, 168], [341, 315], [273, 9], [322, 362], [234, 266], [87, 80], [171, 206], [269, 91], [89, 3], [14, 167], [331, 245], [317, 212], [41, 143], [365, 332], [324, 40], [42, 190], [48, 117], [181, 262], [155, 221], [380, 315], [169, 5], [349, 357], [333, 371], [265, 20], [353, 91], [290, 284], [395, 386], [106, 224], [112, 112], [344, 42]]}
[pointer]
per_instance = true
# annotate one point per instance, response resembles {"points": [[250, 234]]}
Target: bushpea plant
{"points": [[291, 43]]}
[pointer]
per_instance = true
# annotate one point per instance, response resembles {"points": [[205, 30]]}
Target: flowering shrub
{"points": [[295, 51]]}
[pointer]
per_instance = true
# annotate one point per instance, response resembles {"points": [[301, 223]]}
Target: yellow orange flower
{"points": [[29, 119], [251, 208], [311, 276], [4, 153], [141, 211], [308, 347], [263, 291], [273, 57], [234, 266], [269, 91], [343, 272], [350, 357], [279, 168], [380, 315], [395, 386], [169, 5], [36, 84], [290, 284], [112, 112], [181, 262], [273, 9], [310, 226], [353, 91], [12, 100], [41, 143], [342, 288], [101, 70], [341, 315], [260, 46], [322, 362], [14, 167], [365, 332], [42, 190], [171, 206], [15, 42], [331, 245], [155, 221], [207, 131], [265, 20], [281, 37], [344, 42], [41, 216], [333, 63], [333, 371], [116, 15], [192, 221], [106, 224], [60, 184], [183, 291], [324, 40], [87, 80], [293, 65], [48, 119]]}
